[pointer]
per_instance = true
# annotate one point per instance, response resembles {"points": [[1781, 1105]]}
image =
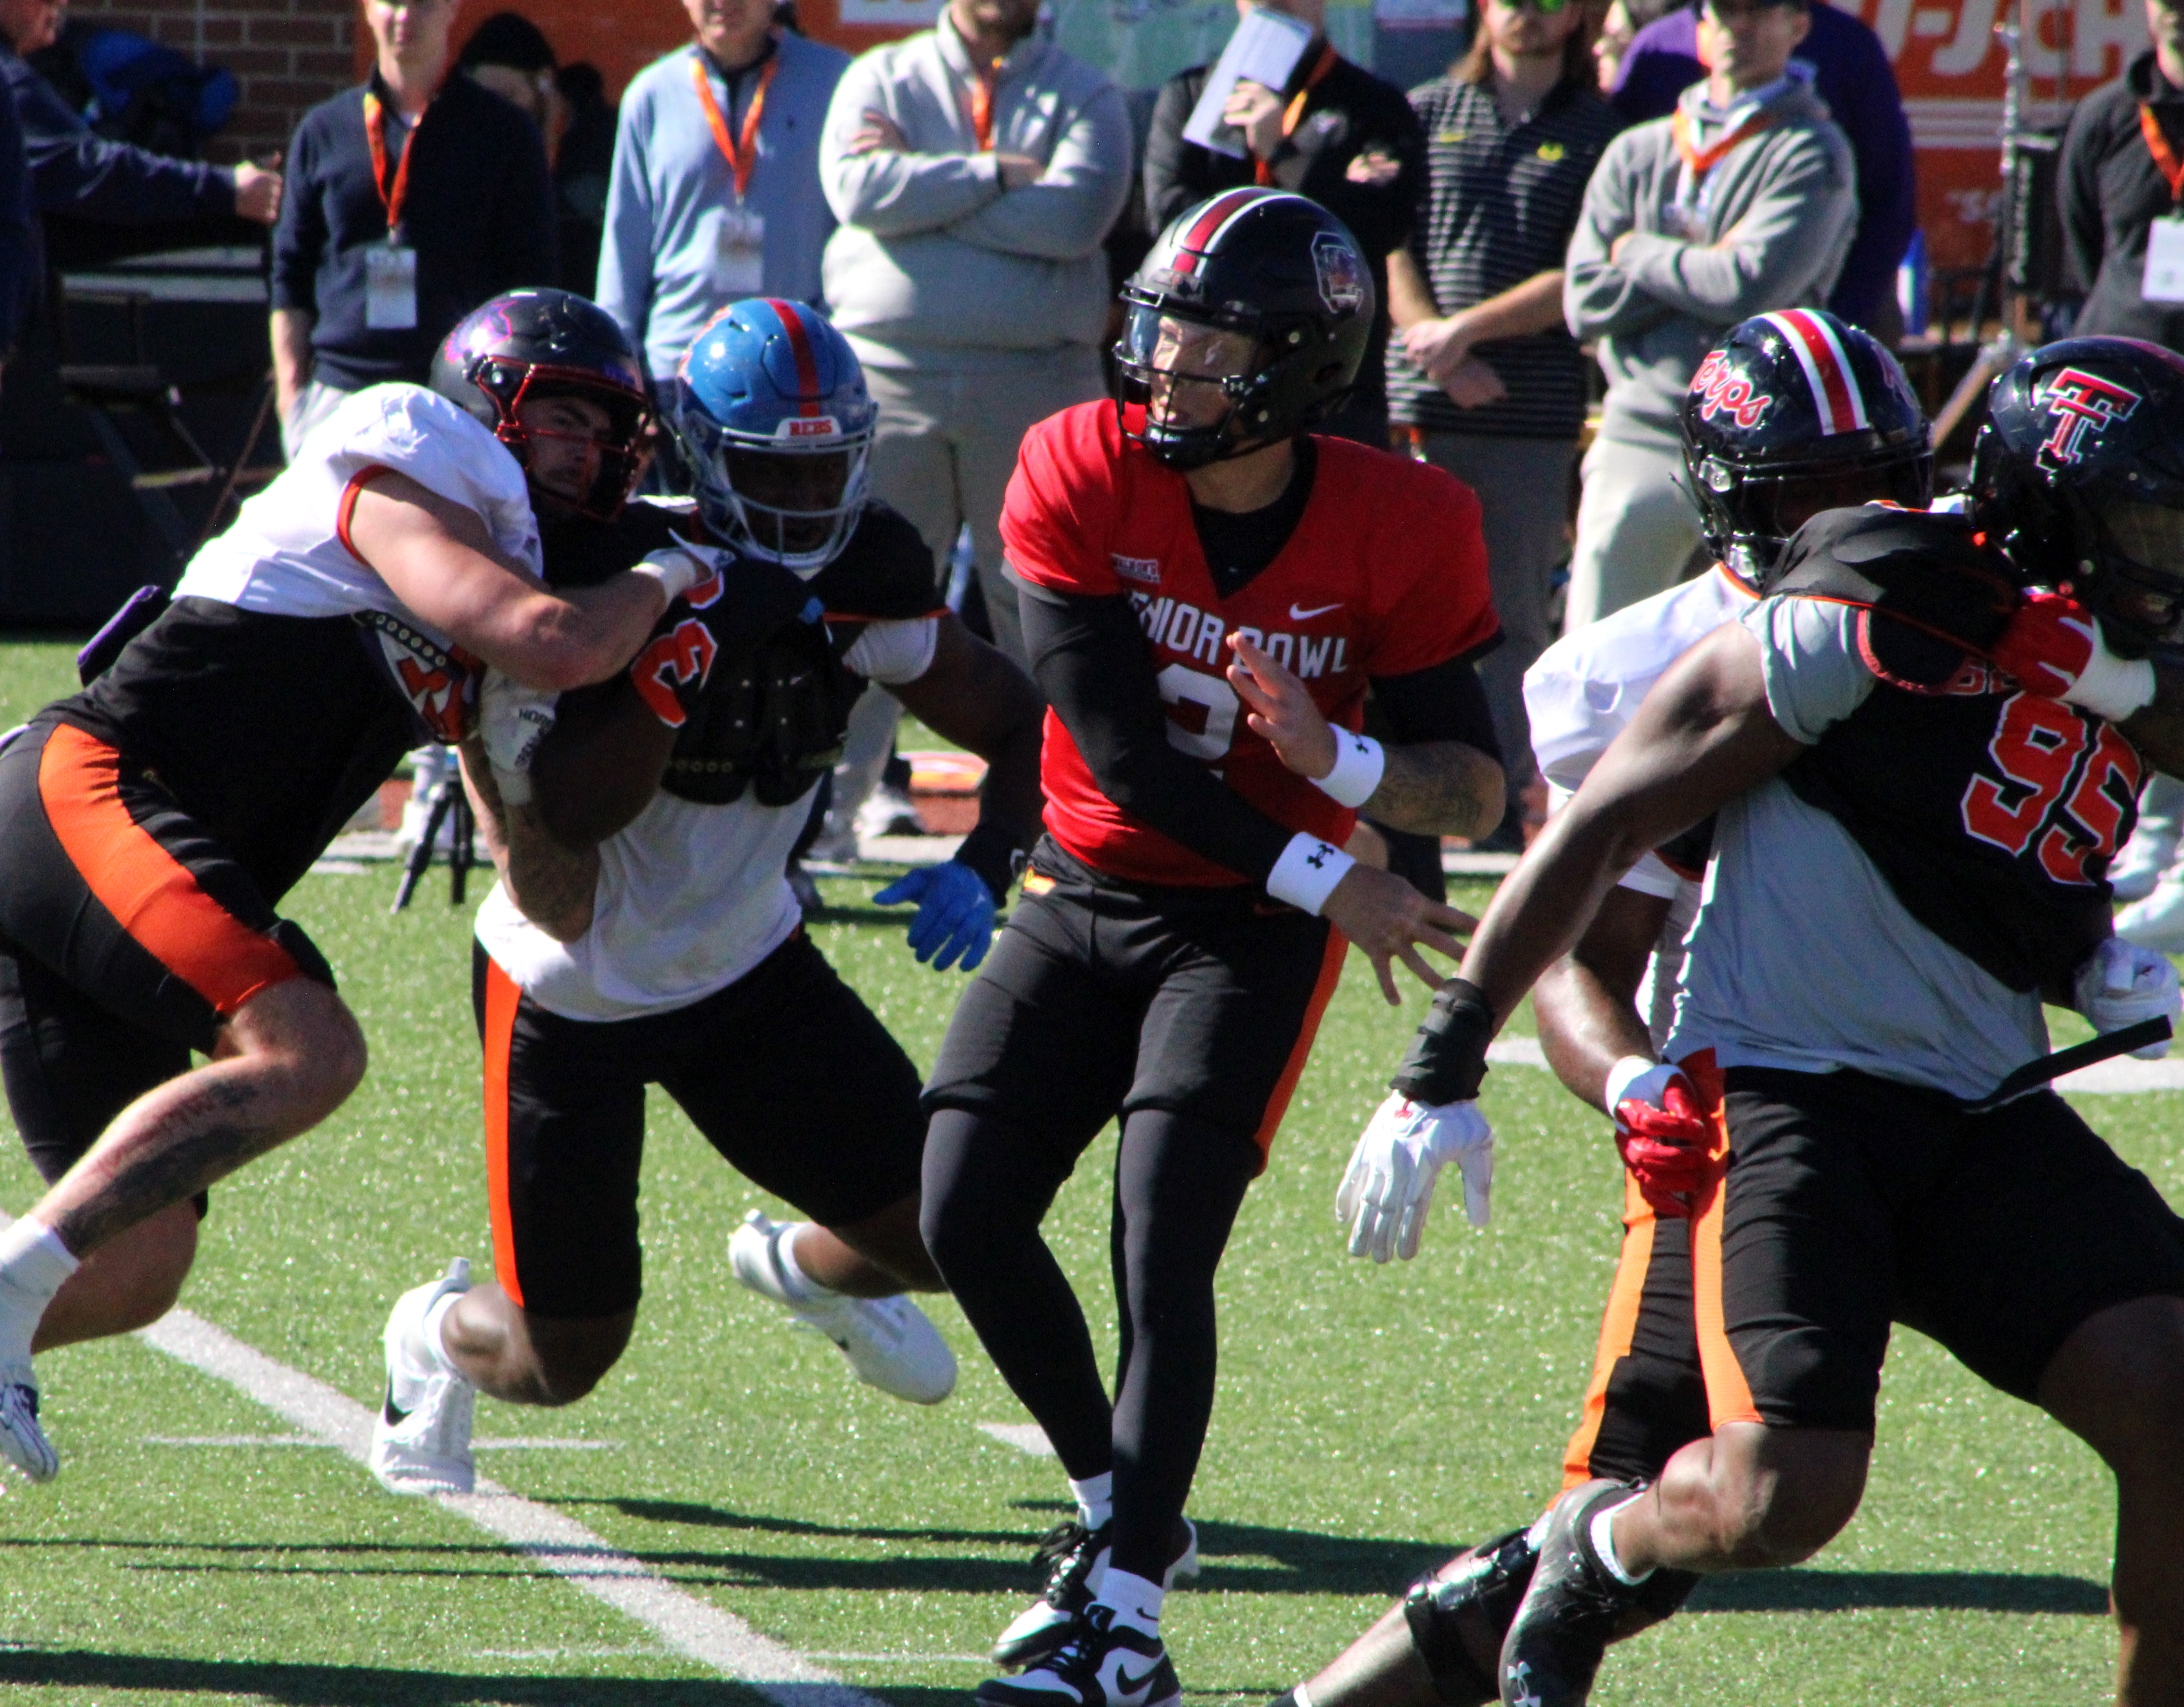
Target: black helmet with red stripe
{"points": [[524, 345], [2078, 478], [1793, 413], [1246, 324]]}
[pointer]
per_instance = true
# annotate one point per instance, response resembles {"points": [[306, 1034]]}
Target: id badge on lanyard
{"points": [[390, 287], [740, 251], [2163, 281]]}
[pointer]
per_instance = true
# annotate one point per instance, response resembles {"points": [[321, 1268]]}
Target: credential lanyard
{"points": [[391, 196], [741, 156], [1294, 114], [2165, 157], [1701, 161], [982, 107]]}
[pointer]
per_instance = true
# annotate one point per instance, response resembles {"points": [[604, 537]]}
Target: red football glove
{"points": [[2047, 644], [1666, 1148]]}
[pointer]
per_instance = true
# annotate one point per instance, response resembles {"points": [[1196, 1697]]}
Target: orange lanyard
{"points": [[1295, 113], [982, 107], [2165, 157], [742, 157], [1703, 160], [374, 130]]}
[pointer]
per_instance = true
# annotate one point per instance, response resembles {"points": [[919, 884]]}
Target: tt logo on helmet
{"points": [[2078, 403], [1342, 272], [1723, 391], [809, 427]]}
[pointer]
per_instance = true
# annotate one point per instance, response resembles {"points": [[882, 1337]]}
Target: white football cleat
{"points": [[889, 1341], [22, 1441], [420, 1440]]}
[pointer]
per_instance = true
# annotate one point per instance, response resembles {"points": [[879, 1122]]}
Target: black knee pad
{"points": [[1474, 1595]]}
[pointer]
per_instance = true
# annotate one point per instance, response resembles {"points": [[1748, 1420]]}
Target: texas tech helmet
{"points": [[2078, 477], [1280, 272], [1792, 414], [533, 343]]}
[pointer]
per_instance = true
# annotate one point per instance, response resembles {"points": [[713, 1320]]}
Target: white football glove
{"points": [[1388, 1186], [680, 567], [2122, 983], [513, 719]]}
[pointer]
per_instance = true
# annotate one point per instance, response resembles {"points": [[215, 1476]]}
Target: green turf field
{"points": [[1369, 1418]]}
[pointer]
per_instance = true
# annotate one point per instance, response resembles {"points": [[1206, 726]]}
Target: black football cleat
{"points": [[1074, 1558], [1573, 1607], [1103, 1664], [1459, 1614]]}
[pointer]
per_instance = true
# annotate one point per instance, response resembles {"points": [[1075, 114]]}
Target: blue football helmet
{"points": [[771, 409]]}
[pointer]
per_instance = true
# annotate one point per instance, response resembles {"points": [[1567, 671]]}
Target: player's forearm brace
{"points": [[1447, 1060]]}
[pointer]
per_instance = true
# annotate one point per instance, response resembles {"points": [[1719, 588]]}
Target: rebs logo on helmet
{"points": [[1341, 273], [1723, 392], [809, 427], [2079, 403]]}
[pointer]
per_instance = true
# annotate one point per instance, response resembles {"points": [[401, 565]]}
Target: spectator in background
{"points": [[975, 168], [2112, 189], [412, 199], [1850, 73], [19, 236], [76, 172], [1483, 376], [510, 55], [1618, 27], [714, 194], [1740, 204], [1335, 133], [583, 167]]}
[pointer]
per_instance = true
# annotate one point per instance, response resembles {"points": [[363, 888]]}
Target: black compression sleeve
{"points": [[1090, 659], [1442, 702]]}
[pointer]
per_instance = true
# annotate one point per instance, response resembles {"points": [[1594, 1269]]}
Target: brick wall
{"points": [[288, 55]]}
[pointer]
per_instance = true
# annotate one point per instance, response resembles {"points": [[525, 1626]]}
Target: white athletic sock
{"points": [[1603, 1542], [1095, 1498], [1297, 1695], [800, 1285], [425, 1345], [1134, 1601], [33, 1264]]}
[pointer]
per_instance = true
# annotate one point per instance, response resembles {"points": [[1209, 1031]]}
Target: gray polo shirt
{"points": [[1801, 957]]}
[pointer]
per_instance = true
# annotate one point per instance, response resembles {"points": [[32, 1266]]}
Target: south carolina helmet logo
{"points": [[1341, 272], [2080, 406]]}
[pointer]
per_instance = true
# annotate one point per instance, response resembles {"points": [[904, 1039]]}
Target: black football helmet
{"points": [[1279, 271], [532, 343], [1794, 413], [2078, 477]]}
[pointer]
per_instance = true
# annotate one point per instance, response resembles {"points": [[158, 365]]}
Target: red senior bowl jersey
{"points": [[1385, 574]]}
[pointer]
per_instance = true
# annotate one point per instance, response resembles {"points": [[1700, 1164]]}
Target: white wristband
{"points": [[1622, 1079], [1359, 760], [2112, 687], [1307, 871], [676, 571]]}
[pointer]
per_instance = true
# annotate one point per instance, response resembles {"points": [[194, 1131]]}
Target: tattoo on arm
{"points": [[206, 1136], [552, 885], [1438, 788]]}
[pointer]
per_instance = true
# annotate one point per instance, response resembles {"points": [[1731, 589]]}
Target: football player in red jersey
{"points": [[150, 824], [1208, 590]]}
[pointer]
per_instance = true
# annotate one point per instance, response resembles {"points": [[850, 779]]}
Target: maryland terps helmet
{"points": [[2078, 477], [1792, 414], [1278, 269], [532, 344], [770, 408]]}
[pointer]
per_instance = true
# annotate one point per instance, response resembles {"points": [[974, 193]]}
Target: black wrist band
{"points": [[992, 854], [1447, 1058]]}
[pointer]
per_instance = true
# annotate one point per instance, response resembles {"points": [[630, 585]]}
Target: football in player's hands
{"points": [[1389, 1186], [513, 719], [2120, 984], [954, 914]]}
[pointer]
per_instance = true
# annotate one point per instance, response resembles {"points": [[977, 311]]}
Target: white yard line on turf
{"points": [[524, 1444], [2118, 1078], [1023, 1436], [685, 1623]]}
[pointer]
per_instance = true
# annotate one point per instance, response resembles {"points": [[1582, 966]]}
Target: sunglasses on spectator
{"points": [[1548, 9]]}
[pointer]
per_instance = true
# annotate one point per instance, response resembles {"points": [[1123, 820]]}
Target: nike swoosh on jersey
{"points": [[1297, 616]]}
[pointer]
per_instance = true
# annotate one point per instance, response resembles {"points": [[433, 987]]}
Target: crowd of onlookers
{"points": [[1630, 179]]}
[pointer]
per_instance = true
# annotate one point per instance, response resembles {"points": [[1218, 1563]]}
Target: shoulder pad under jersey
{"points": [[1926, 571], [885, 573], [580, 552]]}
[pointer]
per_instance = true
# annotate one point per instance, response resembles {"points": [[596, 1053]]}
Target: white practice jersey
{"points": [[690, 897], [287, 554], [1581, 694]]}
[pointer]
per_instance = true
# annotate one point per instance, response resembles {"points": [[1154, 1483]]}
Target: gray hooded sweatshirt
{"points": [[1770, 231]]}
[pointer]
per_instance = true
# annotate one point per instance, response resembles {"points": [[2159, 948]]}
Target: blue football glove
{"points": [[954, 914]]}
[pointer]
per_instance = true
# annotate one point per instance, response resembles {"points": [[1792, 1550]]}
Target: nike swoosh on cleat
{"points": [[395, 1415], [1129, 1685], [1297, 616]]}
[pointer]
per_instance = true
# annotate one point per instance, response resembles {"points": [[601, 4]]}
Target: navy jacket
{"points": [[19, 233], [479, 212], [1853, 77], [74, 171]]}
